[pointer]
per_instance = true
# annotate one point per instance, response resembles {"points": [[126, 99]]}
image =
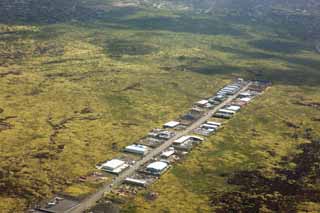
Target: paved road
{"points": [[91, 200]]}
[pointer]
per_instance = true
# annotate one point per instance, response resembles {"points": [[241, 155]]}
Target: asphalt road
{"points": [[91, 200]]}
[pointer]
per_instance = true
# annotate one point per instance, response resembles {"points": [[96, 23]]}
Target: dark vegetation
{"points": [[278, 46], [278, 192], [45, 11], [118, 47], [184, 24], [4, 121]]}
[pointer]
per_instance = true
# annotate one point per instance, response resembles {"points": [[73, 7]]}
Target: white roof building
{"points": [[202, 102], [228, 89], [226, 111], [208, 126], [171, 124], [168, 153], [214, 123], [114, 166], [134, 181], [182, 139], [247, 99], [234, 108], [157, 167], [245, 94], [137, 149], [186, 138]]}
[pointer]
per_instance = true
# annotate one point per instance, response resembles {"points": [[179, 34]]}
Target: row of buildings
{"points": [[184, 144], [152, 170]]}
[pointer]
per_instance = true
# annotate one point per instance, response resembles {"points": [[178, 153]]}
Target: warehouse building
{"points": [[245, 94], [214, 123], [157, 168], [222, 115], [137, 149], [186, 142], [161, 134], [171, 124], [247, 99], [225, 111], [233, 108], [185, 138], [168, 153], [202, 103], [114, 166], [136, 182], [209, 127]]}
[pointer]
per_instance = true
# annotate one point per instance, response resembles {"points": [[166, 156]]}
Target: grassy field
{"points": [[258, 138], [74, 93]]}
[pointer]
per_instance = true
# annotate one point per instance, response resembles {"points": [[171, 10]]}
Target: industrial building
{"points": [[225, 111], [186, 142], [220, 97], [166, 135], [214, 123], [186, 138], [114, 166], [161, 134], [207, 128], [202, 103], [247, 99], [137, 149], [189, 118], [171, 124], [168, 153], [222, 115], [245, 94], [136, 182], [157, 168], [150, 142], [239, 103], [229, 89], [233, 108]]}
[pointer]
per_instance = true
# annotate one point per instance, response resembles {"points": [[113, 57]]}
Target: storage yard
{"points": [[154, 154]]}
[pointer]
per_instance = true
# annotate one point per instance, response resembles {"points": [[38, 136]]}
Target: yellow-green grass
{"points": [[257, 138], [132, 88], [80, 190]]}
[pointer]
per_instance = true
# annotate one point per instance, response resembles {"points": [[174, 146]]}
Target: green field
{"points": [[257, 139], [73, 93]]}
